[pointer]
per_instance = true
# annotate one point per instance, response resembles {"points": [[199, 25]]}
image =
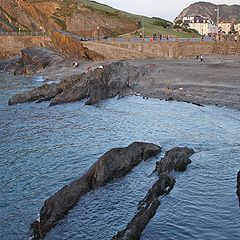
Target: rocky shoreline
{"points": [[215, 81], [171, 80]]}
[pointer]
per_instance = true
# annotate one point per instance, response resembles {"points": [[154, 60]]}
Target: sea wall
{"points": [[113, 50], [127, 50], [12, 45]]}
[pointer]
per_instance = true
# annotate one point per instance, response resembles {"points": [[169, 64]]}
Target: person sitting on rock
{"points": [[75, 64], [181, 90], [168, 91], [89, 68]]}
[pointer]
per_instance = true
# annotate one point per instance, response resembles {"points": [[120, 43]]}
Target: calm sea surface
{"points": [[44, 148]]}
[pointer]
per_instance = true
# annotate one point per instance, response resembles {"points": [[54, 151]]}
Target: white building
{"points": [[237, 27], [203, 25], [225, 27]]}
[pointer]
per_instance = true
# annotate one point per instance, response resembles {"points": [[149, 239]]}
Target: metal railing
{"points": [[20, 33], [150, 40]]}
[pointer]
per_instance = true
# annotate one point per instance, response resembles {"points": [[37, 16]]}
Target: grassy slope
{"points": [[149, 27], [70, 6]]}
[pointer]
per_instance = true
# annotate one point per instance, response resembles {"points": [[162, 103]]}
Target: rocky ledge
{"points": [[113, 164], [238, 186], [175, 159], [35, 59], [99, 84]]}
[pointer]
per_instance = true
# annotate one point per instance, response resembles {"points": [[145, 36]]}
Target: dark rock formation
{"points": [[102, 83], [146, 209], [34, 59], [45, 92], [8, 64], [175, 159], [113, 164], [238, 186]]}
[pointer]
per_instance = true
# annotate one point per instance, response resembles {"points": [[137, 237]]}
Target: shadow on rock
{"points": [[35, 59], [238, 186], [146, 209], [113, 164], [102, 83], [175, 159]]}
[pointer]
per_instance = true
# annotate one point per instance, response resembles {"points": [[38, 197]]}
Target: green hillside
{"points": [[146, 24]]}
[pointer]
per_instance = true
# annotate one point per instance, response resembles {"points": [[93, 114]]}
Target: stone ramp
{"points": [[115, 52]]}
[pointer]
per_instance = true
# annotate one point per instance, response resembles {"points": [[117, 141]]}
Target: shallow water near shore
{"points": [[44, 148]]}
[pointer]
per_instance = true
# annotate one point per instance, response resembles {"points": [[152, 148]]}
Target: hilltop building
{"points": [[237, 27], [225, 27], [203, 25]]}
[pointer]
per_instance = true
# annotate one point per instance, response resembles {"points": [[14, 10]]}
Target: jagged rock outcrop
{"points": [[8, 64], [146, 209], [102, 83], [69, 44], [175, 159], [35, 59], [43, 93], [113, 164], [238, 186]]}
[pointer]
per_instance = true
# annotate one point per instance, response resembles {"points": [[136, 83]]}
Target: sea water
{"points": [[44, 148]]}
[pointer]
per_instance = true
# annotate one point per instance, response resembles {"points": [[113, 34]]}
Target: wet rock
{"points": [[8, 64], [45, 92], [170, 99], [102, 83], [238, 186], [146, 209], [35, 59], [113, 164], [197, 104], [175, 159]]}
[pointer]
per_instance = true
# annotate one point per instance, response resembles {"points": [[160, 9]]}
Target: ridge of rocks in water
{"points": [[175, 159], [148, 206], [238, 186], [146, 209], [109, 81], [113, 164]]}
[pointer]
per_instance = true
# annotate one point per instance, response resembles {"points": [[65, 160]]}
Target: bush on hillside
{"points": [[162, 23]]}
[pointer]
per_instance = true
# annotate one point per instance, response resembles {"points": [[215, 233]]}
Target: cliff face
{"points": [[82, 17], [207, 9]]}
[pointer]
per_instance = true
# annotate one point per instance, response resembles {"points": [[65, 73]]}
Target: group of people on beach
{"points": [[169, 91]]}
